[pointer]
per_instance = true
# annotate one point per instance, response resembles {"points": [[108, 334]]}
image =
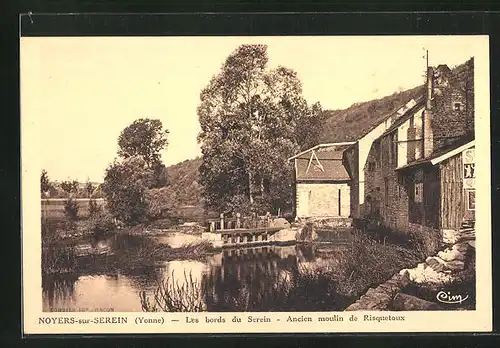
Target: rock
{"points": [[435, 264], [421, 275], [451, 255], [454, 265], [450, 236], [461, 247], [281, 223], [404, 302], [404, 279], [353, 307], [284, 235]]}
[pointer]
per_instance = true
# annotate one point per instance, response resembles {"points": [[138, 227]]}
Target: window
{"points": [[386, 191], [471, 199], [340, 203], [394, 148], [457, 106], [419, 192]]}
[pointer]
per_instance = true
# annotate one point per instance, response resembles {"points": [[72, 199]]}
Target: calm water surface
{"points": [[225, 276]]}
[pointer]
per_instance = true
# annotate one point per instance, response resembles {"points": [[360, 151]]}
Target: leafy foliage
{"points": [[71, 209], [128, 183], [44, 182], [145, 138], [125, 188], [89, 189], [251, 121], [69, 186], [357, 120]]}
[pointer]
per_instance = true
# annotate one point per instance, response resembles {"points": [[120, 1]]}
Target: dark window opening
{"points": [[457, 106], [386, 191], [394, 148]]}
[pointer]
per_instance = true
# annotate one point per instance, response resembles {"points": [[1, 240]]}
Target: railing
{"points": [[239, 222]]}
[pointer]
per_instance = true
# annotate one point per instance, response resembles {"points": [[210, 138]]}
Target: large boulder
{"points": [[280, 223], [404, 302], [451, 255]]}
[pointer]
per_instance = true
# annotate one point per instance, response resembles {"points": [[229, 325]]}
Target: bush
{"points": [[425, 243], [98, 223], [94, 208], [125, 188], [71, 209], [306, 234], [157, 204]]}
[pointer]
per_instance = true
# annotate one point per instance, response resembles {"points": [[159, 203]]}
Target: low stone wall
{"points": [[380, 298], [436, 270]]}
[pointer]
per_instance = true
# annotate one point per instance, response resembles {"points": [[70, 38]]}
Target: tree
{"points": [[125, 189], [145, 138], [44, 182], [69, 186], [252, 119], [89, 188]]}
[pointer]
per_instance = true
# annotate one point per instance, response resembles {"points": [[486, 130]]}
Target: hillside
{"points": [[184, 190], [352, 123]]}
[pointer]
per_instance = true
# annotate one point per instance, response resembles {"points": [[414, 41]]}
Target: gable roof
{"points": [[406, 116], [320, 148], [321, 170]]}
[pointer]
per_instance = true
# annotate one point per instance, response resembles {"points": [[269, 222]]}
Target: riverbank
{"points": [[445, 281]]}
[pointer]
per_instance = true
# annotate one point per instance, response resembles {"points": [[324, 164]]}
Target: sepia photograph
{"points": [[254, 175]]}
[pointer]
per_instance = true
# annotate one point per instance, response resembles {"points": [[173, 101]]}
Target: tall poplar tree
{"points": [[252, 119]]}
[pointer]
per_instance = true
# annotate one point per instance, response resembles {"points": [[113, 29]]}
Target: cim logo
{"points": [[447, 297]]}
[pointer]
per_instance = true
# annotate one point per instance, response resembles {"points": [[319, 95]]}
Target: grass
{"points": [[171, 296]]}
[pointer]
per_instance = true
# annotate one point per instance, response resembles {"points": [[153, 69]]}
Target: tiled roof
{"points": [[326, 154], [327, 169], [441, 151]]}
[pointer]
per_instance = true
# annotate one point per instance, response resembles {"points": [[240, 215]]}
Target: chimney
{"points": [[428, 139]]}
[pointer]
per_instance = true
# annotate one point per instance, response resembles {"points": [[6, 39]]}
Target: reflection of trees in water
{"points": [[131, 258], [257, 279], [58, 290], [262, 280]]}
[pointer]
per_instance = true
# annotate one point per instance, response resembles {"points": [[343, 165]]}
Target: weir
{"points": [[243, 231]]}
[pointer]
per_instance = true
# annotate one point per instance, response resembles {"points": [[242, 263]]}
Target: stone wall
{"points": [[453, 87], [322, 199]]}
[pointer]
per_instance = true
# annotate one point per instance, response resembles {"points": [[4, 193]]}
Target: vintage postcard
{"points": [[256, 184]]}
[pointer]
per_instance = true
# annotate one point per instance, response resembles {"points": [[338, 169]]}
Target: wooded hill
{"points": [[183, 186], [357, 120]]}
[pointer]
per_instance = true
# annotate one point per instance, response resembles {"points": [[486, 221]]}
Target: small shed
{"points": [[322, 182]]}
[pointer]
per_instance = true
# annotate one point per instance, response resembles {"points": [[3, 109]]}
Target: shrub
{"points": [[94, 208], [125, 188], [306, 234], [425, 243], [98, 223], [58, 259], [71, 209]]}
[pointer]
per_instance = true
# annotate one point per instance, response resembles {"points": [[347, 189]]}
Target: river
{"points": [[246, 279]]}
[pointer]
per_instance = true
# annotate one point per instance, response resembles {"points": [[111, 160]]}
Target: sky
{"points": [[83, 91]]}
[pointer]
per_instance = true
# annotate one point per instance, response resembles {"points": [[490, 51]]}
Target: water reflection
{"points": [[266, 278], [248, 279]]}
